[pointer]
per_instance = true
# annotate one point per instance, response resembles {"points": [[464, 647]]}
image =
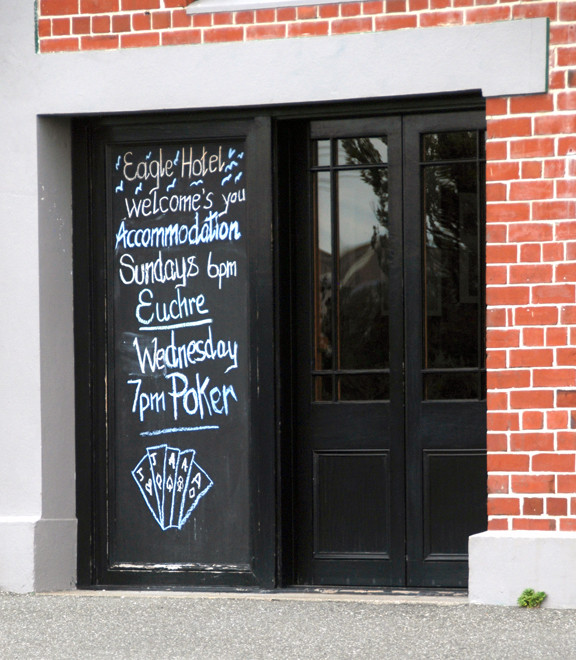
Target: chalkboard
{"points": [[178, 354]]}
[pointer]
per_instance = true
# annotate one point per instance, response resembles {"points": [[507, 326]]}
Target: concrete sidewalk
{"points": [[276, 625]]}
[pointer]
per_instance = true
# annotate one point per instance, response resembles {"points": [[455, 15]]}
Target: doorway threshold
{"points": [[379, 591], [338, 594], [379, 594]]}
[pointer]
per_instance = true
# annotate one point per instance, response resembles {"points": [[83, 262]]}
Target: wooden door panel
{"points": [[349, 443], [445, 400]]}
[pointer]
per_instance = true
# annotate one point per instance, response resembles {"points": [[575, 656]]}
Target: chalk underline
{"points": [[181, 429], [175, 326]]}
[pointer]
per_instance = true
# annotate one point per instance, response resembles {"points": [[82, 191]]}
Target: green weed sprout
{"points": [[531, 598]]}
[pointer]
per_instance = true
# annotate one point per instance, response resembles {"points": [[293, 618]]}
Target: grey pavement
{"points": [[276, 625]]}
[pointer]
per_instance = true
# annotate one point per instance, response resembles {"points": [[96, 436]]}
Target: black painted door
{"points": [[389, 435], [173, 306]]}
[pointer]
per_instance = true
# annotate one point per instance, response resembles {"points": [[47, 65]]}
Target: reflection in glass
{"points": [[362, 151], [449, 146], [363, 270], [451, 286], [323, 266], [323, 388], [351, 267], [321, 153]]}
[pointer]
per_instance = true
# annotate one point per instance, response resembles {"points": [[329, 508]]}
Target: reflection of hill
{"points": [[360, 264], [363, 309]]}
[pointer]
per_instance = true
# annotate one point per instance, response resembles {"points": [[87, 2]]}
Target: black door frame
{"points": [[271, 284], [467, 113]]}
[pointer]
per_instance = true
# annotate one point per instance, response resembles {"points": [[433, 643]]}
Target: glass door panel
{"points": [[451, 173], [350, 197]]}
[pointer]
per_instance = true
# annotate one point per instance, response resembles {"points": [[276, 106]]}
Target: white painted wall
{"points": [[39, 92], [503, 564]]}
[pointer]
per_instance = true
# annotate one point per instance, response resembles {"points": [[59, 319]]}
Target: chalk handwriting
{"points": [[179, 271], [199, 399], [160, 270], [175, 235], [147, 169], [194, 165], [180, 307], [152, 206], [221, 270], [232, 198], [153, 357]]}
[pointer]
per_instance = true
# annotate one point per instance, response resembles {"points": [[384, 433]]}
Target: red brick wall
{"points": [[531, 216], [531, 293]]}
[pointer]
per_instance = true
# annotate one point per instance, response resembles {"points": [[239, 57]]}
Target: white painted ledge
{"points": [[500, 59], [37, 555], [503, 564]]}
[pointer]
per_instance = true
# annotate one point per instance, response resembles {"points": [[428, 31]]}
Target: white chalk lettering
{"points": [[146, 169], [153, 358], [210, 230], [136, 207], [232, 198], [178, 308], [198, 400], [144, 401], [194, 166], [222, 270], [160, 270]]}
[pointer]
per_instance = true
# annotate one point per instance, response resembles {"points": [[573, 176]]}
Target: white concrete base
{"points": [[37, 555], [17, 554], [503, 564]]}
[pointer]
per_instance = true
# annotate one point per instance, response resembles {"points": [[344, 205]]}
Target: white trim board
{"points": [[506, 58]]}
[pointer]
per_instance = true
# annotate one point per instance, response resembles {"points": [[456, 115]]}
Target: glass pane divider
{"points": [[451, 370], [352, 372]]}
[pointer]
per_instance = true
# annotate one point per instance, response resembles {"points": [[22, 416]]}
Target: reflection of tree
{"points": [[451, 222], [444, 183], [363, 290], [361, 151], [449, 231], [450, 190]]}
